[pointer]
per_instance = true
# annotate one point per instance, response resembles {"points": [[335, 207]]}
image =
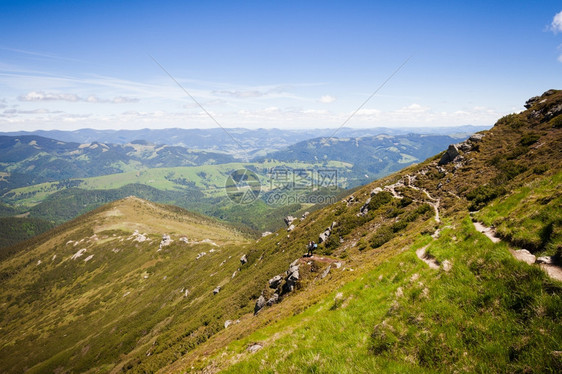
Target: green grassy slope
{"points": [[379, 307], [387, 310]]}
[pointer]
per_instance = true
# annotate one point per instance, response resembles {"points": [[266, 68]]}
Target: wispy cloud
{"points": [[251, 93], [326, 99], [50, 96]]}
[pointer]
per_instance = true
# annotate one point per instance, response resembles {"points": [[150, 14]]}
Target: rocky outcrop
{"points": [[273, 299], [243, 260], [260, 303], [166, 241], [254, 347], [449, 154], [365, 208], [289, 220], [275, 282], [326, 234]]}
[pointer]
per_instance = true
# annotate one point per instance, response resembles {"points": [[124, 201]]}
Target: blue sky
{"points": [[288, 64]]}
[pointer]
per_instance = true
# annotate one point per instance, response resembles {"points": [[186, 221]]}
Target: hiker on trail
{"points": [[311, 247]]}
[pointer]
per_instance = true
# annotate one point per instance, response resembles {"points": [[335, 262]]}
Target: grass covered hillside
{"points": [[402, 281]]}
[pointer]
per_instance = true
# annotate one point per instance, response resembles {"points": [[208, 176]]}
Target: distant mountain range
{"points": [[232, 140]]}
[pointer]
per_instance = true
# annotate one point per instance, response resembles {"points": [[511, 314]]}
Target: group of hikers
{"points": [[311, 247]]}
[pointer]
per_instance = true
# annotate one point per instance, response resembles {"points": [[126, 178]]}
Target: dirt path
{"points": [[553, 271], [488, 231], [429, 260]]}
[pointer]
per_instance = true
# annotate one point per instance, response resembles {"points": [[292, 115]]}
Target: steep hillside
{"points": [[95, 288], [402, 281], [419, 288]]}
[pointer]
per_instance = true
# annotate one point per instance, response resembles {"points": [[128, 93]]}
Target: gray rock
{"points": [[260, 303], [243, 259], [289, 220], [324, 236], [529, 103], [449, 155], [294, 276], [275, 281], [254, 347], [326, 272], [475, 138], [376, 191], [273, 299], [365, 208], [544, 260], [524, 255]]}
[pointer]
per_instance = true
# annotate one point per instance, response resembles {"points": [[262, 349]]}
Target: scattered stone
{"points": [[291, 228], [243, 259], [449, 155], [254, 347], [365, 208], [273, 299], [474, 138], [138, 237], [260, 303], [376, 190], [275, 281], [38, 262], [266, 233], [337, 265], [234, 274], [227, 323], [544, 260], [399, 292], [184, 239], [289, 220], [88, 258], [529, 103], [524, 255], [304, 215], [217, 290], [326, 272], [199, 255], [78, 254], [414, 277], [166, 241], [447, 266], [54, 256]]}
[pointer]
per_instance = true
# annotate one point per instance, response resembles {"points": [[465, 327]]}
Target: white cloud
{"points": [[42, 96], [327, 99], [556, 25], [49, 96]]}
